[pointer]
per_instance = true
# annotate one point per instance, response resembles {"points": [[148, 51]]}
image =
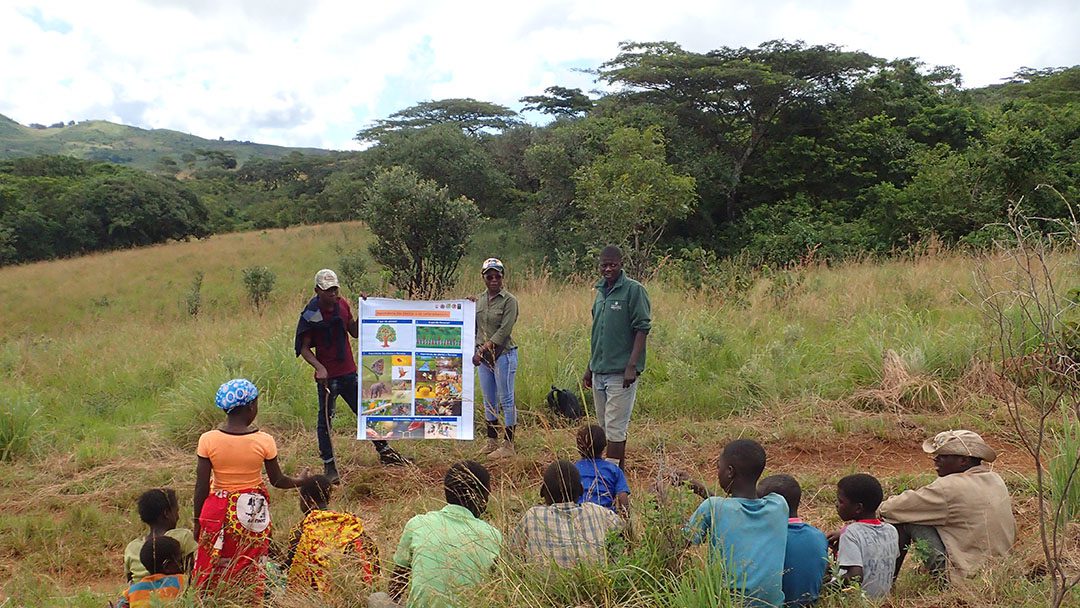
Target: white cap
{"points": [[325, 279]]}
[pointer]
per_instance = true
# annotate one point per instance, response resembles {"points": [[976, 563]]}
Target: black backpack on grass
{"points": [[565, 404]]}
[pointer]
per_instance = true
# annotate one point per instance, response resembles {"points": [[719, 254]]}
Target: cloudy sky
{"points": [[310, 73]]}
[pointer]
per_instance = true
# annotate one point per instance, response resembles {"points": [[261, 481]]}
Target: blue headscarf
{"points": [[235, 393]]}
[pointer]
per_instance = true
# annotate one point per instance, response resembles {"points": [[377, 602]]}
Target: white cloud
{"points": [[312, 73]]}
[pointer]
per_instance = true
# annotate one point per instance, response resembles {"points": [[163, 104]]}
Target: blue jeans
{"points": [[497, 387], [346, 387]]}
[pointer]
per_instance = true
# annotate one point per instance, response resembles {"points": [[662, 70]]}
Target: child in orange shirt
{"points": [[231, 503]]}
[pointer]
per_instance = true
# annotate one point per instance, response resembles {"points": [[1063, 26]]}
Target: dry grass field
{"points": [[108, 381]]}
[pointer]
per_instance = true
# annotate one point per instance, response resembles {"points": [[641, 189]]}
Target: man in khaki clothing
{"points": [[964, 516]]}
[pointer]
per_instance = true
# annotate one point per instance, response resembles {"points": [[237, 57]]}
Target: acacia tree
{"points": [[732, 98], [559, 102], [471, 116], [630, 193], [445, 154], [421, 232]]}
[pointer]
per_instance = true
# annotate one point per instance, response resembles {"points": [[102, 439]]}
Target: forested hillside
{"points": [[148, 149], [775, 153]]}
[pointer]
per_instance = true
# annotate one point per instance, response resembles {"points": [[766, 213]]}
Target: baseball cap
{"points": [[959, 443], [325, 279], [492, 263]]}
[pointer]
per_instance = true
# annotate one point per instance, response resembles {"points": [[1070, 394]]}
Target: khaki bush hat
{"points": [[325, 279], [959, 443]]}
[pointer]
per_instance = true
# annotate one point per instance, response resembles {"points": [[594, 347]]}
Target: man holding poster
{"points": [[413, 384], [322, 339]]}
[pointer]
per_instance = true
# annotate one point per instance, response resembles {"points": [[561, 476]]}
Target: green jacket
{"points": [[617, 316]]}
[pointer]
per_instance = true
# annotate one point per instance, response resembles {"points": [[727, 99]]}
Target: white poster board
{"points": [[416, 372]]}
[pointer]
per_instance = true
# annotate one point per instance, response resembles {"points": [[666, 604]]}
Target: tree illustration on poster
{"points": [[386, 334]]}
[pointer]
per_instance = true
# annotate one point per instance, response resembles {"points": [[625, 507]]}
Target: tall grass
{"points": [[108, 395], [18, 423], [1064, 478]]}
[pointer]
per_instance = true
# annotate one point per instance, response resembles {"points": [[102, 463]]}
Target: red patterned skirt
{"points": [[234, 540]]}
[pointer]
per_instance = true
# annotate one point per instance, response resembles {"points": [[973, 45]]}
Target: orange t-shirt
{"points": [[237, 460]]}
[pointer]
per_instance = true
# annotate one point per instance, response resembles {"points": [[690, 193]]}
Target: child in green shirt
{"points": [[159, 509]]}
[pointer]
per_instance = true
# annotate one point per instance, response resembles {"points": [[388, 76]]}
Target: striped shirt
{"points": [[153, 590], [566, 533]]}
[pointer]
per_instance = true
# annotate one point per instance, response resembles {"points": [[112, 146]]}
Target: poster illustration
{"points": [[416, 378]]}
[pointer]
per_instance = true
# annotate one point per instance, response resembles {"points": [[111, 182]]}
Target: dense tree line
{"points": [[770, 151], [54, 206]]}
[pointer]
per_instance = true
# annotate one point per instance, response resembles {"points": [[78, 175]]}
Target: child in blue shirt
{"points": [[807, 554], [604, 482], [744, 531]]}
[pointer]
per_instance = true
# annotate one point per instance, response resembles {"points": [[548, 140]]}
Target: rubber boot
{"points": [[330, 471], [506, 450], [390, 457]]}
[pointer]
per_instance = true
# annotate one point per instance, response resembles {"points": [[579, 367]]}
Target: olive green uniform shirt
{"points": [[617, 315], [495, 318]]}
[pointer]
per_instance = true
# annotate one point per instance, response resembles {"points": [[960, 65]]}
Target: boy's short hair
{"points": [[468, 484], [784, 485], [158, 552], [154, 503], [864, 489], [316, 489], [747, 456], [562, 482], [591, 441]]}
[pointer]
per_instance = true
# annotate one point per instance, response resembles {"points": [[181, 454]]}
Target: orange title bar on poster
{"points": [[415, 314]]}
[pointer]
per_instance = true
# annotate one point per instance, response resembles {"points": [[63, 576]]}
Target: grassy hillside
{"points": [[142, 148], [109, 382]]}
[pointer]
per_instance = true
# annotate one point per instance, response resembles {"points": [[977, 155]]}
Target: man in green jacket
{"points": [[621, 323]]}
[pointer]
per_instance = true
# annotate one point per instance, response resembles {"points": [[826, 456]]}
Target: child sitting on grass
{"points": [[321, 535], [162, 557], [807, 553], [744, 531], [562, 530], [231, 503], [159, 509], [444, 553], [868, 548], [604, 482]]}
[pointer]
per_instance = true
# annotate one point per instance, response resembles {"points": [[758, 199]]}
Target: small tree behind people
{"points": [[421, 233], [259, 281], [1034, 347], [630, 193]]}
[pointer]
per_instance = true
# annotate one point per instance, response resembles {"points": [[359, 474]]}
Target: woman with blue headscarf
{"points": [[232, 507]]}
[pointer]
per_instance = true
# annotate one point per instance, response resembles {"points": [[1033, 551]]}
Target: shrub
{"points": [[194, 295], [16, 428], [421, 233], [259, 281], [352, 271]]}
